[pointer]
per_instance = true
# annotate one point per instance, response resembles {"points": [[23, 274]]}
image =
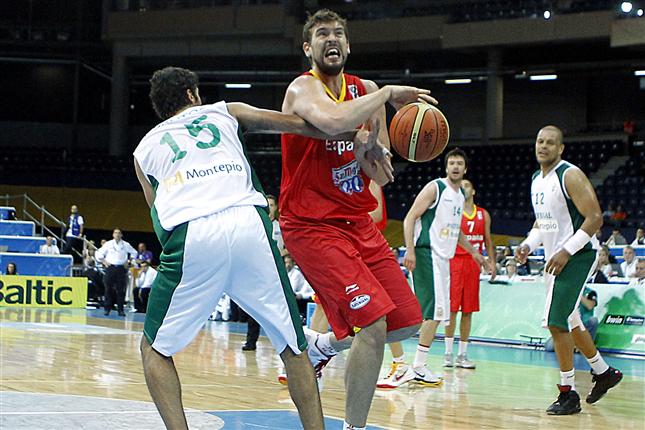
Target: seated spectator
{"points": [[604, 265], [628, 267], [597, 277], [640, 237], [49, 247], [619, 216], [588, 302], [609, 212], [12, 269], [639, 279], [301, 287], [143, 255], [510, 270], [524, 269], [144, 282], [616, 238]]}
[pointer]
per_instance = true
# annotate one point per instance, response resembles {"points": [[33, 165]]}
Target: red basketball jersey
{"points": [[321, 179], [474, 228]]}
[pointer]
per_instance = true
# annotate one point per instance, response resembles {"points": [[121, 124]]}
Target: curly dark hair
{"points": [[168, 90], [321, 16]]}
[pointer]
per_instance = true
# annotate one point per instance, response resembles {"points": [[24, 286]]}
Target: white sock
{"points": [[568, 378], [399, 360], [598, 364], [351, 427], [463, 346], [449, 342], [420, 356]]}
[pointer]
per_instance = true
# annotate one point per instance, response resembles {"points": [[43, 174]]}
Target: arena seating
{"points": [[19, 245]]}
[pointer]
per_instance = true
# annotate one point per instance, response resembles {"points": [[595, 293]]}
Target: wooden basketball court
{"points": [[69, 369]]}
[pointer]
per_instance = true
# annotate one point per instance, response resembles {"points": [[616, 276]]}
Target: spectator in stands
{"points": [[11, 215], [639, 279], [616, 238], [511, 269], [115, 255], [143, 254], [299, 284], [604, 265], [628, 267], [619, 216], [49, 247], [609, 212], [93, 271], [11, 269], [74, 235], [273, 216], [597, 277], [144, 282], [640, 237]]}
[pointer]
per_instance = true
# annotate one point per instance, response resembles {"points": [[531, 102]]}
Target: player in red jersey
{"points": [[464, 276], [324, 211]]}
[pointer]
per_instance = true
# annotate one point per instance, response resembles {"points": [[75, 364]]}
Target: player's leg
{"points": [[354, 301], [456, 299], [432, 287], [361, 374], [164, 386], [186, 290], [561, 315], [262, 289], [469, 305]]}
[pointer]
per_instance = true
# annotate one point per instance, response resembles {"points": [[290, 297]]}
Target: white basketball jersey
{"points": [[556, 215], [196, 163], [439, 227]]}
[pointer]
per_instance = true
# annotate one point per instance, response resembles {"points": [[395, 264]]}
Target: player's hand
{"points": [[555, 265], [480, 259], [410, 259], [492, 267], [401, 95], [521, 253], [374, 158]]}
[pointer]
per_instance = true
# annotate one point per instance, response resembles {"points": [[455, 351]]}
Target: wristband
{"points": [[577, 242], [533, 240]]}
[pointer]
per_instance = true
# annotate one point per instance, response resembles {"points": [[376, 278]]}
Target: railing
{"points": [[28, 210]]}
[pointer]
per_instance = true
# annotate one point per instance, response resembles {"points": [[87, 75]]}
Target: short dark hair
{"points": [[455, 152], [319, 17], [168, 90], [272, 197]]}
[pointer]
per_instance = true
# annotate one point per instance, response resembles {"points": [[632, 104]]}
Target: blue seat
{"points": [[21, 243], [17, 228], [37, 264]]}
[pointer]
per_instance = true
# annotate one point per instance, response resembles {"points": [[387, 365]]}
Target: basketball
{"points": [[419, 132]]}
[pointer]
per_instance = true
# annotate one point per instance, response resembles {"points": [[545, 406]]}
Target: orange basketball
{"points": [[419, 132]]}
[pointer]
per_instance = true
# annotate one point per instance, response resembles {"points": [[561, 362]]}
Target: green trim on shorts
{"points": [[284, 279], [169, 274], [567, 287], [423, 276]]}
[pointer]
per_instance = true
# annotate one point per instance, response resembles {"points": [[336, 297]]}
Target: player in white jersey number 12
{"points": [[567, 215]]}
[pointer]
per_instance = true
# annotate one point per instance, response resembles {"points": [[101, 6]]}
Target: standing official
{"points": [[114, 255]]}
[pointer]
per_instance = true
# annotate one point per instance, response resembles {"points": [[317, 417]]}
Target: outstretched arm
{"points": [[306, 98], [256, 120]]}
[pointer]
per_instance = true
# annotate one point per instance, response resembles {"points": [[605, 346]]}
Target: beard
{"points": [[328, 69]]}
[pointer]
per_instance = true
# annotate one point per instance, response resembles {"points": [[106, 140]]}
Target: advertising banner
{"points": [[43, 291]]}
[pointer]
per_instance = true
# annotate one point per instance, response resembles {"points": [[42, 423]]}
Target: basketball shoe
{"points": [[602, 383], [464, 362], [568, 402], [424, 376], [399, 374], [448, 360]]}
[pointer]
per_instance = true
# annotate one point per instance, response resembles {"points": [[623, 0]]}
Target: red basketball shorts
{"points": [[353, 272], [464, 284]]}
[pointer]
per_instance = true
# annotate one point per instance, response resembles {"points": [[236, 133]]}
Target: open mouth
{"points": [[332, 53]]}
